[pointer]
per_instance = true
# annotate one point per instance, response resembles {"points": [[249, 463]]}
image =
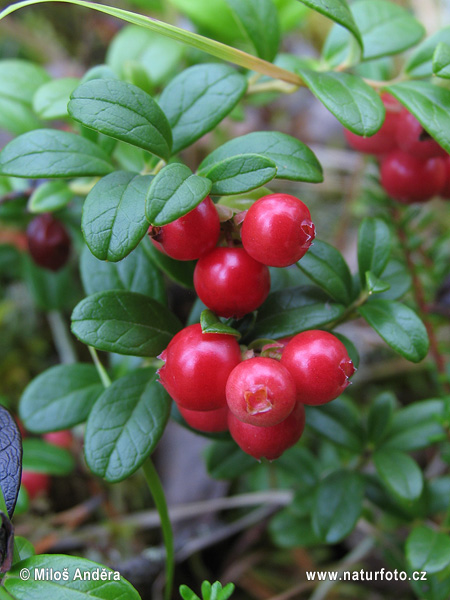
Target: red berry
{"points": [[268, 442], [445, 191], [190, 236], [277, 230], [261, 391], [413, 139], [409, 179], [385, 139], [197, 366], [209, 421], [230, 282], [48, 242], [62, 439], [35, 483], [319, 364]]}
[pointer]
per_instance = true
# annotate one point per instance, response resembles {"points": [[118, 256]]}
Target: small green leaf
{"points": [[122, 111], [326, 266], [293, 159], [294, 310], [125, 323], [441, 60], [225, 460], [174, 192], [374, 247], [198, 99], [374, 285], [337, 423], [356, 105], [182, 272], [428, 550], [289, 530], [338, 505], [400, 473], [398, 277], [212, 324], [113, 221], [339, 12], [420, 63], [399, 326], [50, 196], [42, 457], [239, 174], [23, 547], [60, 397], [52, 153], [51, 99], [380, 416], [125, 425]]}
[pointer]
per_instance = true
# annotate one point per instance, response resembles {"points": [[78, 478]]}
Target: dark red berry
{"points": [[261, 391], [385, 139], [48, 242], [445, 190], [197, 366], [413, 139], [268, 442], [230, 282], [190, 236], [319, 364], [277, 230], [209, 421], [409, 179], [35, 483], [62, 439]]}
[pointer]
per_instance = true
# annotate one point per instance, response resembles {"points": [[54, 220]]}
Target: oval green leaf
{"points": [[428, 550], [441, 60], [42, 457], [420, 63], [400, 474], [337, 423], [50, 196], [339, 12], [374, 247], [52, 98]]}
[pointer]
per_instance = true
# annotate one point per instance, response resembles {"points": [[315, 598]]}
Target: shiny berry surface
{"points": [[268, 442], [261, 391], [277, 230], [230, 282], [48, 242], [208, 421], [319, 364], [190, 236], [35, 483], [413, 139], [196, 367], [409, 179]]}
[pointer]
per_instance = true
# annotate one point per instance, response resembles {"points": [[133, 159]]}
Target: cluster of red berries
{"points": [[260, 400], [232, 281], [413, 166], [48, 242]]}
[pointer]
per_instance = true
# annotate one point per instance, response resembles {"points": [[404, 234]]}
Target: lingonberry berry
{"points": [[197, 366], [277, 230], [35, 483], [268, 442], [385, 139], [319, 364], [230, 282], [190, 236], [62, 439], [48, 242], [261, 391], [414, 139], [445, 190], [209, 421], [409, 179]]}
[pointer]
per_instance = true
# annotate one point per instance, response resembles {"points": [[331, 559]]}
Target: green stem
{"points": [[349, 311], [100, 368], [156, 490]]}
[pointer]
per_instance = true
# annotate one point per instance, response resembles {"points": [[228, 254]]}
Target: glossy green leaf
{"points": [[289, 530], [225, 460], [293, 159], [23, 547], [135, 273], [374, 285], [198, 99], [429, 104], [356, 105], [125, 425], [398, 277], [338, 505], [338, 11], [336, 423], [182, 272], [239, 174], [399, 326], [380, 416], [212, 324], [123, 111], [294, 310], [258, 20], [60, 397], [52, 153], [441, 60], [326, 266], [125, 323], [77, 587], [374, 247], [42, 457], [400, 473], [428, 550], [51, 99], [113, 220], [420, 63], [174, 192], [50, 196]]}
